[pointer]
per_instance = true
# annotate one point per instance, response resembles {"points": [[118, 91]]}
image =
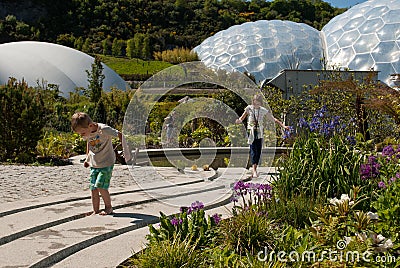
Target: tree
{"points": [[130, 48], [95, 79]]}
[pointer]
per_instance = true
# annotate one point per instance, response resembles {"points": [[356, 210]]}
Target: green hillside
{"points": [[124, 66]]}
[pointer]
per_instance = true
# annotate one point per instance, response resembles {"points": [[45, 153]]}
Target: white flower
{"points": [[376, 239], [380, 238], [388, 243], [372, 216], [345, 197], [347, 239], [362, 237], [334, 201]]}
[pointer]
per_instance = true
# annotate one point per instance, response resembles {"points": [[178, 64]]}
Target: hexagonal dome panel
{"points": [[263, 48], [369, 41], [365, 37]]}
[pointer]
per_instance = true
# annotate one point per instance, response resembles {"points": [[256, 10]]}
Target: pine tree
{"points": [[95, 79]]}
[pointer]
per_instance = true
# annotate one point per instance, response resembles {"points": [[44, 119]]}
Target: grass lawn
{"points": [[134, 66]]}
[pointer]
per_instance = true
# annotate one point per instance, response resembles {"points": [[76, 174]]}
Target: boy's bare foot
{"points": [[92, 213], [107, 211]]}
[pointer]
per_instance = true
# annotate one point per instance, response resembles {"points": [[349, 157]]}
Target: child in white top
{"points": [[255, 126]]}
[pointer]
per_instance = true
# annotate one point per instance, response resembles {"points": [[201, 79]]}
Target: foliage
{"points": [[95, 79], [316, 166], [342, 227], [63, 145], [190, 224], [294, 210], [382, 174], [176, 56], [24, 111], [176, 252], [249, 231], [124, 66], [162, 25], [358, 93]]}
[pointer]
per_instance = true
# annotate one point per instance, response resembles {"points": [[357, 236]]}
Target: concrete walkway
{"points": [[44, 224]]}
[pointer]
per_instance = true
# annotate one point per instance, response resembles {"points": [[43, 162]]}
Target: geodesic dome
{"points": [[55, 64], [263, 48], [365, 37]]}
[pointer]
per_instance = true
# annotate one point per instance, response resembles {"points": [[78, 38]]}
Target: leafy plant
{"points": [[174, 252], [191, 222], [60, 145], [342, 227], [317, 166], [248, 232]]}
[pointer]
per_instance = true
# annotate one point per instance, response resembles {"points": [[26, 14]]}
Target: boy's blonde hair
{"points": [[80, 120]]}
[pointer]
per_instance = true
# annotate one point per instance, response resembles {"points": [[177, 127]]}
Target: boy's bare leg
{"points": [[95, 201], [105, 194]]}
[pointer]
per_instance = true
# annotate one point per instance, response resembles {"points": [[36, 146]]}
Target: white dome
{"points": [[365, 37], [55, 64], [263, 48]]}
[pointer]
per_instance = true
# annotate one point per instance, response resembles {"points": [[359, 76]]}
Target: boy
{"points": [[100, 157]]}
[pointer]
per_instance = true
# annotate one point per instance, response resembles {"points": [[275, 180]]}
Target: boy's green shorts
{"points": [[100, 177]]}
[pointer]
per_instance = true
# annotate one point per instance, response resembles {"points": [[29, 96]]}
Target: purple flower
{"points": [[216, 218], [195, 206], [391, 180], [321, 112], [240, 188], [381, 185], [287, 134], [388, 151], [315, 124], [351, 140], [365, 171], [371, 169], [234, 198], [175, 221], [303, 123]]}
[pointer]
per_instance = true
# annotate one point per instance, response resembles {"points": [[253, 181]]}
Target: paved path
{"points": [[43, 218]]}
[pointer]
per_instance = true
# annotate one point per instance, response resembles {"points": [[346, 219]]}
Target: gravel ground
{"points": [[19, 182]]}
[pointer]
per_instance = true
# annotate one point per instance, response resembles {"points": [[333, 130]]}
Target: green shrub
{"points": [[293, 210], [24, 112], [176, 252], [176, 56], [60, 145], [342, 227], [248, 232]]}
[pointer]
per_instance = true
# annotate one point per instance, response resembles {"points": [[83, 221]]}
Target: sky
{"points": [[344, 3]]}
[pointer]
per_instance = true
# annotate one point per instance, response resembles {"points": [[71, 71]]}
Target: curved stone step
{"points": [[51, 245]]}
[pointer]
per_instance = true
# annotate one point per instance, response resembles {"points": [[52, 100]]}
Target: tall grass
{"points": [[318, 166]]}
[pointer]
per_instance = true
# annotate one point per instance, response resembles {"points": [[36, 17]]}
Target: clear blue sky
{"points": [[344, 3]]}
